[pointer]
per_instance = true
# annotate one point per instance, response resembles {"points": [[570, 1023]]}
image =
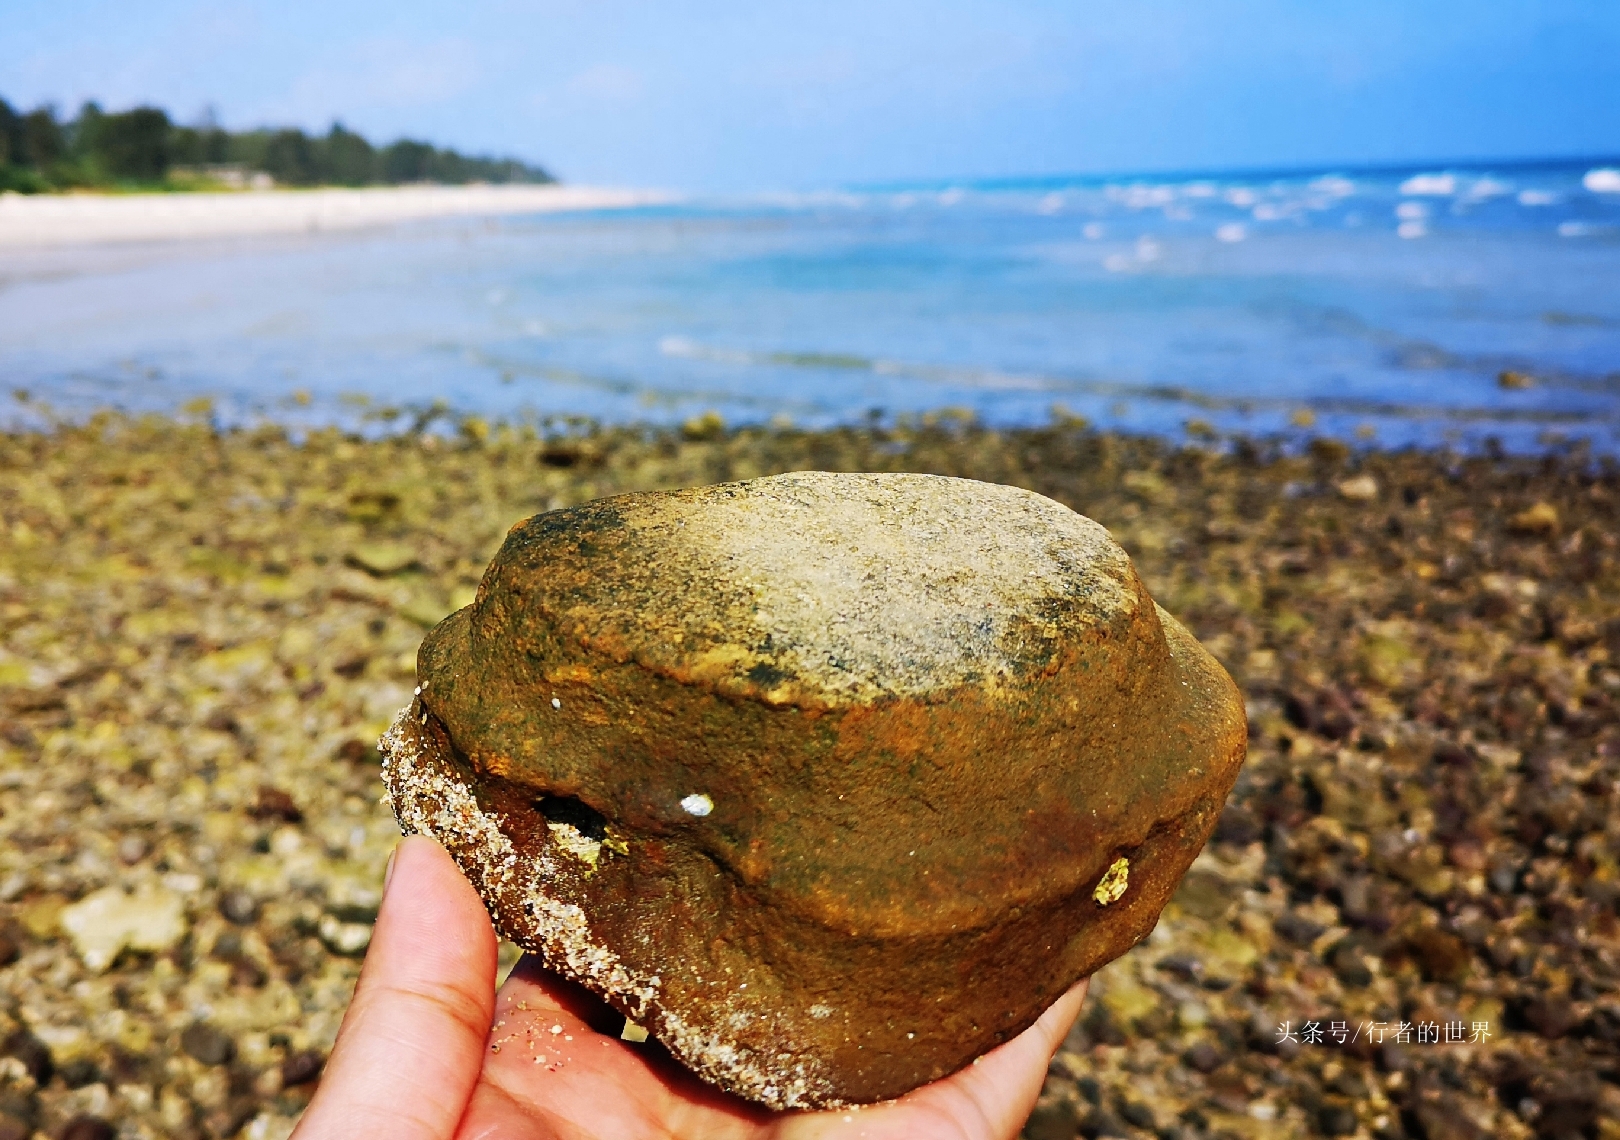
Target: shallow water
{"points": [[1380, 306]]}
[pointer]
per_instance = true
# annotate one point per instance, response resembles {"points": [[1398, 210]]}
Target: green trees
{"points": [[142, 149]]}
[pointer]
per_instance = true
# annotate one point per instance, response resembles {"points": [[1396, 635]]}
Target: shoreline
{"points": [[54, 221]]}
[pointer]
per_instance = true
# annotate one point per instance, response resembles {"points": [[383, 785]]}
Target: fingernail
{"points": [[388, 872]]}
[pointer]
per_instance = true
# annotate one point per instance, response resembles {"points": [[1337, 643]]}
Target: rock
{"points": [[1336, 1118], [1202, 1057], [12, 1128], [1348, 958], [1512, 380], [1056, 1120], [207, 1044], [1104, 1124], [300, 1068], [1539, 519], [1359, 488], [31, 1052], [273, 803], [345, 939], [239, 907], [842, 742], [1139, 1113], [80, 1071], [381, 559], [1442, 956], [106, 922], [1550, 1015], [87, 1128]]}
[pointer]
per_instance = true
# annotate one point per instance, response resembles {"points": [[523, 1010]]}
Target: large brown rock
{"points": [[833, 782]]}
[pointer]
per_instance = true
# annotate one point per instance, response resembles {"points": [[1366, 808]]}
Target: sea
{"points": [[1466, 306]]}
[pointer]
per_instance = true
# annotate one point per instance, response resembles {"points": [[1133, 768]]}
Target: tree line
{"points": [[143, 149]]}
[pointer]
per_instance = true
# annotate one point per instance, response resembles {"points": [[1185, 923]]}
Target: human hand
{"points": [[417, 1058]]}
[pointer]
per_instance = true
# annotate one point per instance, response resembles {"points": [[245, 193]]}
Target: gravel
{"points": [[204, 633]]}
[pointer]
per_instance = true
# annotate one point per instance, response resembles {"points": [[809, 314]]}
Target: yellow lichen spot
{"points": [[1114, 882]]}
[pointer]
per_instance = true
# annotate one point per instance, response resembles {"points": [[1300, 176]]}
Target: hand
{"points": [[417, 1057]]}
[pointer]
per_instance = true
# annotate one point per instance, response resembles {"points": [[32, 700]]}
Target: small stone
{"points": [[301, 1067], [105, 923], [1102, 1123], [10, 945], [239, 907], [1539, 519], [1202, 1057], [273, 803], [356, 751], [1187, 967], [1515, 381], [1349, 961], [1056, 1120], [1297, 928], [1442, 956], [345, 939], [12, 1128], [1359, 488], [1336, 1119], [87, 1128], [132, 849], [34, 1054], [382, 559], [207, 1044], [80, 1071], [1139, 1113], [1550, 1015]]}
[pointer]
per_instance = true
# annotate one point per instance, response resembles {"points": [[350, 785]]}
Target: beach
{"points": [[47, 221], [1404, 927]]}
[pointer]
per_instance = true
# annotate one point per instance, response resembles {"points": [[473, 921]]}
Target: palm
{"points": [[561, 1072]]}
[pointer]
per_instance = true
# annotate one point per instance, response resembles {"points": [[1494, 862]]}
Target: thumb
{"points": [[412, 1042]]}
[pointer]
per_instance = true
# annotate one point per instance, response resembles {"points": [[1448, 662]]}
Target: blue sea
{"points": [[1443, 306]]}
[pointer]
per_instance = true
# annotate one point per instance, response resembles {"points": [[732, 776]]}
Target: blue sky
{"points": [[764, 94]]}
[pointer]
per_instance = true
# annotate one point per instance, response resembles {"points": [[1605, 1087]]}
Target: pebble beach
{"points": [[1406, 925]]}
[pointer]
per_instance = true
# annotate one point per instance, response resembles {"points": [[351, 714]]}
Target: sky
{"points": [[717, 95]]}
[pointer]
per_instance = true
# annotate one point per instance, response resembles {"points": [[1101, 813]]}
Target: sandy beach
{"points": [[1405, 926], [55, 220]]}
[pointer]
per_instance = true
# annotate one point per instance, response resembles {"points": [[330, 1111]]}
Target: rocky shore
{"points": [[1406, 926]]}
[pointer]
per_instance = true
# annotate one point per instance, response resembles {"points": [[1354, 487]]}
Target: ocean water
{"points": [[1378, 306]]}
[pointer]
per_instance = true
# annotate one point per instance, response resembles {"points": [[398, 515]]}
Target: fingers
{"points": [[412, 1042], [988, 1100]]}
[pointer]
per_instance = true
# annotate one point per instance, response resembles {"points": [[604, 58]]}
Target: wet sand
{"points": [[46, 221], [204, 633]]}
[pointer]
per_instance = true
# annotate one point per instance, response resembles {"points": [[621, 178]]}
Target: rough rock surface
{"points": [[832, 781]]}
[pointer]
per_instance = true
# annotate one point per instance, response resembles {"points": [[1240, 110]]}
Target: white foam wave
{"points": [[1334, 186], [1537, 198], [1430, 185], [1603, 180], [1231, 232]]}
